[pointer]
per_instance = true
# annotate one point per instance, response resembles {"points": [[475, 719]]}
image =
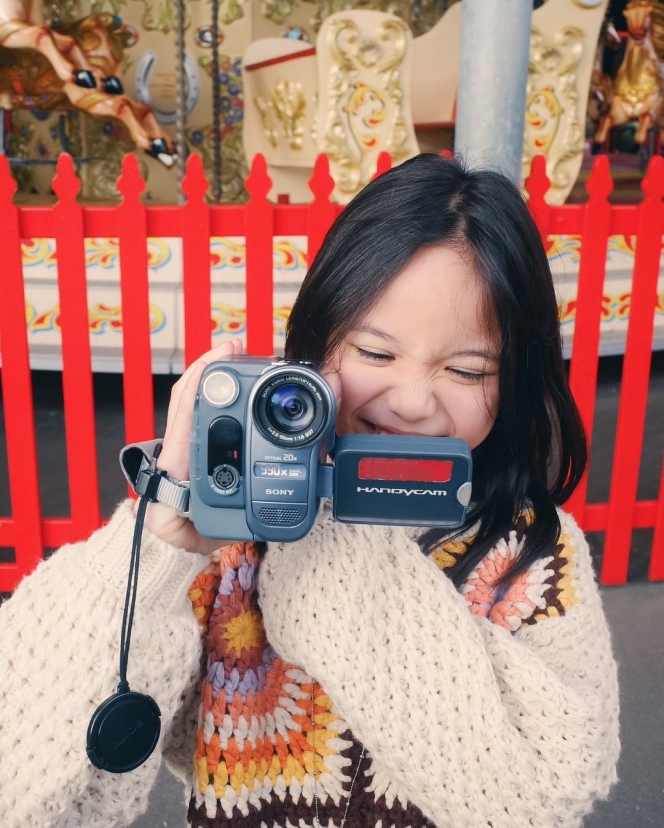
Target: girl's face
{"points": [[421, 362]]}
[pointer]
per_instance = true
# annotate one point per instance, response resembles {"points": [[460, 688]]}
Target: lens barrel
{"points": [[291, 409]]}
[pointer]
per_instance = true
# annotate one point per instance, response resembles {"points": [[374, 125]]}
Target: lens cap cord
{"points": [[124, 729]]}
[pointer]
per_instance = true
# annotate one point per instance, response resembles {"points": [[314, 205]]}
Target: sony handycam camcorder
{"points": [[262, 436]]}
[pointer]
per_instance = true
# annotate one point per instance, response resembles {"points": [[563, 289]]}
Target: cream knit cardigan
{"points": [[478, 727]]}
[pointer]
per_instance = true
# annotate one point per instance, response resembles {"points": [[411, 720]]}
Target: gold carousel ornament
{"points": [[553, 128], [362, 104], [638, 93], [73, 66]]}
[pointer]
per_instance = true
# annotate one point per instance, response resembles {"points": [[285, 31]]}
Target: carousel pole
{"points": [[493, 75], [216, 113], [180, 96]]}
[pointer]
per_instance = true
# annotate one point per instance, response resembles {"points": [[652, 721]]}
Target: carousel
{"points": [[291, 79]]}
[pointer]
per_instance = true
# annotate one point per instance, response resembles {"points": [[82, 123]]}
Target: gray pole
{"points": [[180, 96], [216, 114], [493, 74]]}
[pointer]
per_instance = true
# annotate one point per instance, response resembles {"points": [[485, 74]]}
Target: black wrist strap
{"points": [[137, 462], [124, 729]]}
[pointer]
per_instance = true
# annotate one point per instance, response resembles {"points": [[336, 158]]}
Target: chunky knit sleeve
{"points": [[478, 725], [59, 645]]}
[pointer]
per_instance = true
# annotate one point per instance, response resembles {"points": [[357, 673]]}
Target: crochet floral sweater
{"points": [[479, 707]]}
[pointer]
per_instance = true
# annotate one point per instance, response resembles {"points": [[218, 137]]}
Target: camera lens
{"points": [[291, 408]]}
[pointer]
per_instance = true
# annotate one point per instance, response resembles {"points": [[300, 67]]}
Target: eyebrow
{"points": [[486, 355], [482, 354], [376, 332]]}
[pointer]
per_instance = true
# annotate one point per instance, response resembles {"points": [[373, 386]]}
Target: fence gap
{"points": [[76, 359]]}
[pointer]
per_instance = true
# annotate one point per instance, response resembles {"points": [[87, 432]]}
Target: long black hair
{"points": [[536, 452]]}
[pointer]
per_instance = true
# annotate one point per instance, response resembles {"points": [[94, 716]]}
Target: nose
{"points": [[413, 400]]}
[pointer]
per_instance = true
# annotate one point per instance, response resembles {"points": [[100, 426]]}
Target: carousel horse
{"points": [[600, 98], [75, 65], [637, 89]]}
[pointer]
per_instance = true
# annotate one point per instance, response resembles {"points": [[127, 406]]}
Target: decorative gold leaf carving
{"points": [[420, 16], [159, 16], [553, 127], [267, 119], [365, 101], [277, 11], [288, 105]]}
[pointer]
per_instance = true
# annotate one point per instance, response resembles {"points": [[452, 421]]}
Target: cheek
{"points": [[483, 417], [472, 412], [359, 385]]}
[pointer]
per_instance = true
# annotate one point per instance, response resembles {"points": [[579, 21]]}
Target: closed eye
{"points": [[467, 375], [373, 355]]}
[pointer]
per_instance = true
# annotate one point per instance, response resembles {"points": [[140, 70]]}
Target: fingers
{"points": [[174, 457]]}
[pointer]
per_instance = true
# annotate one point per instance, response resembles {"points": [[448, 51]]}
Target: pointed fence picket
{"points": [[23, 529], [196, 281], [259, 220], [259, 233], [135, 296], [81, 439]]}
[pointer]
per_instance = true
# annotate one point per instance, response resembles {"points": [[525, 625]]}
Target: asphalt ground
{"points": [[635, 611]]}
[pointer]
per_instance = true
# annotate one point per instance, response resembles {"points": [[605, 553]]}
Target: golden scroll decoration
{"points": [[364, 101], [553, 127], [287, 106]]}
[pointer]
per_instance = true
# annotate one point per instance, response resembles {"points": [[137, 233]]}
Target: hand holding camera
{"points": [[160, 519]]}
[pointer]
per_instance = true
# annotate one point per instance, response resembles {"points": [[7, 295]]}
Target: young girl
{"points": [[365, 675]]}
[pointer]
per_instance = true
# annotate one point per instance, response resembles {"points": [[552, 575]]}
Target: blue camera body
{"points": [[259, 459]]}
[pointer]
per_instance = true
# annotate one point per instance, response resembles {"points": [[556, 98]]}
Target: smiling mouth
{"points": [[378, 429]]}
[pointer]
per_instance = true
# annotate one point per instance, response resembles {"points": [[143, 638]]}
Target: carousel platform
{"points": [[627, 170]]}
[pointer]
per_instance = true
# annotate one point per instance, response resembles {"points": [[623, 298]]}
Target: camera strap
{"points": [[137, 462], [124, 729]]}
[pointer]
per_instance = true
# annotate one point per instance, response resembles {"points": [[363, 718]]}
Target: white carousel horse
{"points": [[76, 65]]}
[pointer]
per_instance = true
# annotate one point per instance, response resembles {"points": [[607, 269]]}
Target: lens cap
{"points": [[123, 732]]}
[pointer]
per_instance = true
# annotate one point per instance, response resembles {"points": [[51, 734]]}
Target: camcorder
{"points": [[264, 453]]}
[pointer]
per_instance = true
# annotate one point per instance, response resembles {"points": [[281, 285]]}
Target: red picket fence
{"points": [[132, 222]]}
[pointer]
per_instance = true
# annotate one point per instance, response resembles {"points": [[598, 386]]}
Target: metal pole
{"points": [[180, 96], [216, 114], [493, 75]]}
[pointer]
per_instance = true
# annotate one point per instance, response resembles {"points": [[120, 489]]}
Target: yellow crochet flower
{"points": [[244, 631]]}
